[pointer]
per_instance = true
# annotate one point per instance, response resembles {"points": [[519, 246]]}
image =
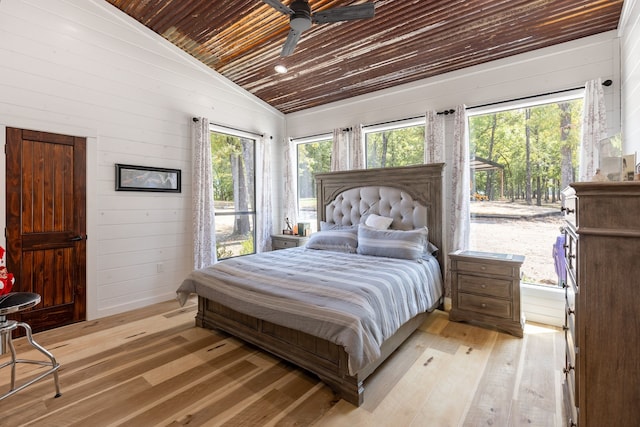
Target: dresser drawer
{"points": [[570, 253], [569, 207], [570, 311], [485, 305], [485, 286], [571, 372], [485, 268], [570, 409]]}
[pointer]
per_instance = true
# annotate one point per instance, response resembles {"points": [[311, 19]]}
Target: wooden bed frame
{"points": [[321, 357]]}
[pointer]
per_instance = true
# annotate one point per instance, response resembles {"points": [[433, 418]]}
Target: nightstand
{"points": [[285, 241], [485, 288]]}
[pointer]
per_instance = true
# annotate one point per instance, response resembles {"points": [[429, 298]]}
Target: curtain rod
{"points": [[489, 104], [349, 129], [196, 119], [392, 121]]}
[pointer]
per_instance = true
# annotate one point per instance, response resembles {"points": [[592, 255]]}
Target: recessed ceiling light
{"points": [[280, 69]]}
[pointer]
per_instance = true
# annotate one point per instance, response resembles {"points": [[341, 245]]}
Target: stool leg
{"points": [[44, 351], [8, 339]]}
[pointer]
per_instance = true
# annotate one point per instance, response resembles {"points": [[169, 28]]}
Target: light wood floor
{"points": [[153, 367]]}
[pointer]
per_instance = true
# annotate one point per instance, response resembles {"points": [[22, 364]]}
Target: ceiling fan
{"points": [[301, 18]]}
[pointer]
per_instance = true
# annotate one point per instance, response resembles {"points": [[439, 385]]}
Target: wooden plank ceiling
{"points": [[407, 40]]}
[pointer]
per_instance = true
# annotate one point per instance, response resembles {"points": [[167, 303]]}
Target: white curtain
{"points": [[290, 183], [594, 123], [265, 211], [434, 138], [460, 217], [356, 149], [204, 235], [340, 150]]}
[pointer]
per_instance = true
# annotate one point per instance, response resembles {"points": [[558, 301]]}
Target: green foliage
{"points": [[501, 138], [248, 246], [395, 147], [222, 252], [313, 157], [224, 150]]}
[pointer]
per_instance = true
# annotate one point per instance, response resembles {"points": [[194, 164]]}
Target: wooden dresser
{"points": [[485, 287], [602, 320]]}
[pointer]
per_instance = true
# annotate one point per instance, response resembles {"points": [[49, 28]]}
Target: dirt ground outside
{"points": [[521, 229]]}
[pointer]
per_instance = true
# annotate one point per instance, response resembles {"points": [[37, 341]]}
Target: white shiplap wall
{"points": [[81, 67], [630, 59]]}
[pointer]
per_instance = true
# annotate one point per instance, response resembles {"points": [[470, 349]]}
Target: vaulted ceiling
{"points": [[407, 40]]}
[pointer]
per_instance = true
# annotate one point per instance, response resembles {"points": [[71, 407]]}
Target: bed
{"points": [[338, 327]]}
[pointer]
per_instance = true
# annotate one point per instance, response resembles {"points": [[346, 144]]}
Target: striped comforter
{"points": [[355, 301]]}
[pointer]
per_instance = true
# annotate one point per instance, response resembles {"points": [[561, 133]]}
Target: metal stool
{"points": [[11, 303]]}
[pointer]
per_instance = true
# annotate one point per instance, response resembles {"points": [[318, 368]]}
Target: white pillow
{"points": [[378, 222]]}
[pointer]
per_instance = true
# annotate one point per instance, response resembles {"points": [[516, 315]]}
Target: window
{"points": [[398, 144], [522, 157], [233, 159], [313, 156]]}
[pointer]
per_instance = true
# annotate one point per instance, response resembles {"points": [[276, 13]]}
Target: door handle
{"points": [[77, 238]]}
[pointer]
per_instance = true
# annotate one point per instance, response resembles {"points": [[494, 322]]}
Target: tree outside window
{"points": [[313, 157], [401, 146], [521, 159], [233, 161]]}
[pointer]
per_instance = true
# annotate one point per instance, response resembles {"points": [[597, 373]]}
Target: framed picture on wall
{"points": [[145, 178]]}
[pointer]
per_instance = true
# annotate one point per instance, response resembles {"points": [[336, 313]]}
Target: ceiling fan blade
{"points": [[347, 13], [291, 42], [279, 6]]}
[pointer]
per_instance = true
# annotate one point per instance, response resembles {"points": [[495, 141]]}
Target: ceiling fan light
{"points": [[280, 69], [300, 23]]}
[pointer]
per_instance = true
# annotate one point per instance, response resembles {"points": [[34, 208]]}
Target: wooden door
{"points": [[46, 224]]}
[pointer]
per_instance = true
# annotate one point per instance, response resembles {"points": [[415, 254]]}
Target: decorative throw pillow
{"points": [[342, 240], [410, 244], [378, 222], [327, 226]]}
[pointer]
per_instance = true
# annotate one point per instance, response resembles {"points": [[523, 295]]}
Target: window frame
{"points": [[518, 104], [253, 214], [325, 137]]}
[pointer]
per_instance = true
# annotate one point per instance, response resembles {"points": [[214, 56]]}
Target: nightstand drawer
{"points": [[286, 241], [485, 268], [485, 305], [485, 286], [284, 244]]}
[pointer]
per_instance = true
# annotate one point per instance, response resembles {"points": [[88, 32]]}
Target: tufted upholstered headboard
{"points": [[354, 205], [411, 195]]}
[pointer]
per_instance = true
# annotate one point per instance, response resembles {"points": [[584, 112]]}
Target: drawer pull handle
{"points": [[483, 286], [567, 210], [567, 369], [483, 305], [483, 267]]}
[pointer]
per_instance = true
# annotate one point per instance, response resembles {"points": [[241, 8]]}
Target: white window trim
{"points": [[533, 102], [397, 124], [311, 139]]}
